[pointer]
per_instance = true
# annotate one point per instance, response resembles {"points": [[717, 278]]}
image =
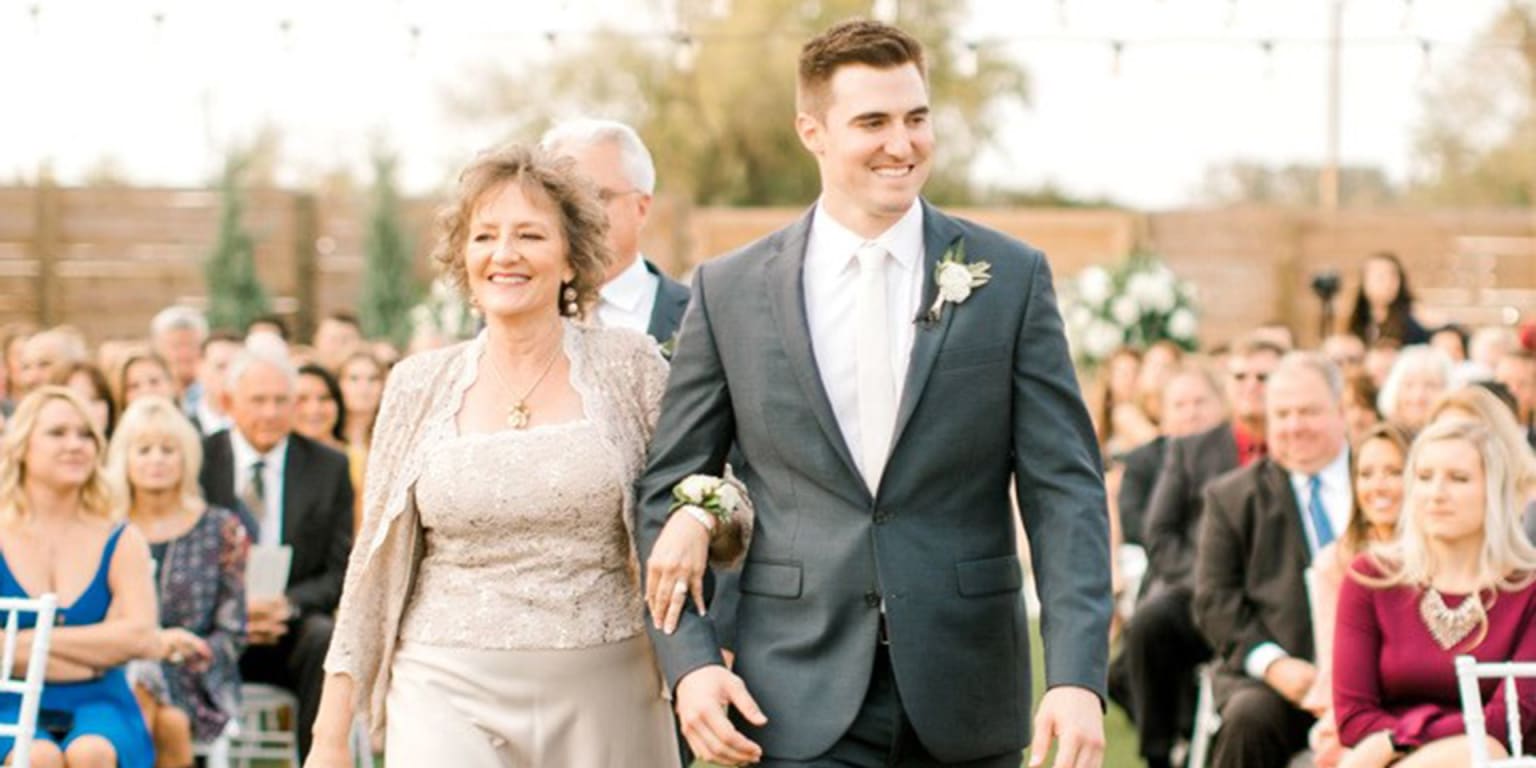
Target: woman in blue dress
{"points": [[57, 535]]}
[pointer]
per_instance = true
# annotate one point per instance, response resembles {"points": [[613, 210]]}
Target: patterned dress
{"points": [[200, 577]]}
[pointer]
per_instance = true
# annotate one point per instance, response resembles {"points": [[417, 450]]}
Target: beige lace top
{"points": [[525, 543], [620, 375]]}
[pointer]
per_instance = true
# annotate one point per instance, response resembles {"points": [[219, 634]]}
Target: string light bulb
{"points": [[968, 63], [686, 52]]}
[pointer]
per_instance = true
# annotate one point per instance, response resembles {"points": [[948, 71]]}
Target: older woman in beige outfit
{"points": [[492, 614]]}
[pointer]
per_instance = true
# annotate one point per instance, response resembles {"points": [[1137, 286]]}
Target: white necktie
{"points": [[877, 386]]}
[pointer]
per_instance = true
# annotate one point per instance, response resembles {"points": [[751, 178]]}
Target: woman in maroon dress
{"points": [[1461, 579]]}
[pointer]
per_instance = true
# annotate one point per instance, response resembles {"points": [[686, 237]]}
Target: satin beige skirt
{"points": [[596, 707]]}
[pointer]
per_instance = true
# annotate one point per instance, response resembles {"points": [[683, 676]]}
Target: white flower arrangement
{"points": [[1139, 302], [445, 312], [714, 496]]}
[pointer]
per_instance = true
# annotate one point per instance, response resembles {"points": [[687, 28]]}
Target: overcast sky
{"points": [[82, 81]]}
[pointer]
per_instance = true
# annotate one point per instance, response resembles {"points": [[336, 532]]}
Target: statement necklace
{"points": [[519, 414], [1449, 626]]}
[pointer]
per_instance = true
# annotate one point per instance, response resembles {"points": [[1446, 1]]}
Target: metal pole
{"points": [[1328, 180]]}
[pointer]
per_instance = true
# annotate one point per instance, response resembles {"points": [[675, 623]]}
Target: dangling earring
{"points": [[569, 297]]}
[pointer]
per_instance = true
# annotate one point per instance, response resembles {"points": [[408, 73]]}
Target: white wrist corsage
{"points": [[708, 499]]}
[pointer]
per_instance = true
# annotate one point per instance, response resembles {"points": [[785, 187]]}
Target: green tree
{"points": [[390, 287], [1478, 138], [235, 293], [715, 103], [1296, 185]]}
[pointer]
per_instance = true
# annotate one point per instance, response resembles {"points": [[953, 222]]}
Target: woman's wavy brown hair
{"points": [[582, 219]]}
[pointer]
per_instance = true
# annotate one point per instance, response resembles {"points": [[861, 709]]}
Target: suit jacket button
{"points": [[872, 599], [881, 516]]}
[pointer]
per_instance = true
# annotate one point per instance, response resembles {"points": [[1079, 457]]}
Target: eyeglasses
{"points": [[606, 195], [1247, 375]]}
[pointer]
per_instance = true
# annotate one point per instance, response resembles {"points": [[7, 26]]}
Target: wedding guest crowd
{"points": [[1323, 530], [88, 445], [1260, 555]]}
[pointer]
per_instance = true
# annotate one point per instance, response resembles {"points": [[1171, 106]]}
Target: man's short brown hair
{"points": [[860, 41]]}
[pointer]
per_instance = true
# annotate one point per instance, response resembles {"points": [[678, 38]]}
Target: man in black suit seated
{"points": [[1161, 646], [290, 491], [1192, 403], [1261, 528]]}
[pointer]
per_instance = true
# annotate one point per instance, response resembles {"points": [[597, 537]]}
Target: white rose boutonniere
{"points": [[956, 279]]}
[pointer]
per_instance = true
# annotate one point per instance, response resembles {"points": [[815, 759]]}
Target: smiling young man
{"points": [[882, 398]]}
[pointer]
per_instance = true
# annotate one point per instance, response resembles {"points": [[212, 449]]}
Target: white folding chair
{"points": [[215, 753], [1207, 718], [261, 735], [1468, 672], [30, 687]]}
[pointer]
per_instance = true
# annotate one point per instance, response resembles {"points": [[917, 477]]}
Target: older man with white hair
{"points": [[610, 154], [177, 333], [292, 492]]}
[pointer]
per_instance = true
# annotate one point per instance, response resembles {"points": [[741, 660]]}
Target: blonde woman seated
{"points": [[57, 536], [492, 613], [1376, 474], [1477, 404], [191, 690], [1461, 579]]}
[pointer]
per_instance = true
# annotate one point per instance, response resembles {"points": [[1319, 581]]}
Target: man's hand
{"points": [[267, 619], [1291, 677], [704, 698], [1073, 718]]}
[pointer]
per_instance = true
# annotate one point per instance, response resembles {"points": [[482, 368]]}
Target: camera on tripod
{"points": [[1326, 284]]}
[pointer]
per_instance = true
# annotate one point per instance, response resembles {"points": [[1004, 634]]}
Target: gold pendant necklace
{"points": [[1449, 626], [519, 415]]}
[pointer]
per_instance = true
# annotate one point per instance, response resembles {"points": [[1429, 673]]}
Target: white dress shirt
{"points": [[831, 279], [209, 421], [1336, 493], [1338, 497], [271, 518], [626, 301]]}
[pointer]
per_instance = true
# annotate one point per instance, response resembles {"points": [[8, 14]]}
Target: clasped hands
{"points": [[267, 619]]}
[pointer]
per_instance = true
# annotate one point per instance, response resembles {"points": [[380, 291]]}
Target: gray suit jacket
{"points": [[990, 395], [719, 584], [667, 312]]}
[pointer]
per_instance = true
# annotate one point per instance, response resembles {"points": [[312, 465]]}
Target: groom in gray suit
{"points": [[885, 369]]}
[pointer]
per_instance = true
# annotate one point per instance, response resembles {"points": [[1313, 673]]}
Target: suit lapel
{"points": [[1283, 503], [221, 468], [785, 273], [667, 311], [939, 231], [293, 466]]}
